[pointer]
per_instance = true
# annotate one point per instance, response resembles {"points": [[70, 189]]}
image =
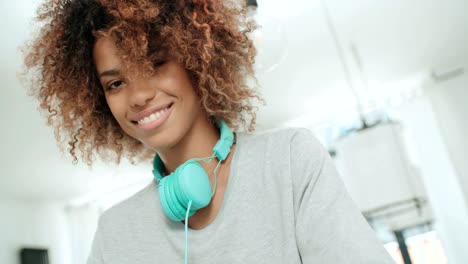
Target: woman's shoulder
{"points": [[286, 136], [297, 147], [130, 206]]}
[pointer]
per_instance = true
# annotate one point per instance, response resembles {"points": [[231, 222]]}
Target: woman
{"points": [[166, 81]]}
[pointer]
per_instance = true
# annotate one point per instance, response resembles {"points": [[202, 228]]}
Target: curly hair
{"points": [[208, 37]]}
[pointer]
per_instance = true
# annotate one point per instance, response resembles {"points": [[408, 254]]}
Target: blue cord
{"points": [[190, 202], [214, 187], [186, 231]]}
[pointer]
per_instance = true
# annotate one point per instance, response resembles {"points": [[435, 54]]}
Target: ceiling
{"points": [[394, 41]]}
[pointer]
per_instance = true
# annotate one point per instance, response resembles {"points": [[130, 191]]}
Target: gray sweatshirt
{"points": [[284, 203]]}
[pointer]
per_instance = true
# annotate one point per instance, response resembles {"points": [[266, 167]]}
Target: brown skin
{"points": [[187, 132], [207, 37], [211, 62]]}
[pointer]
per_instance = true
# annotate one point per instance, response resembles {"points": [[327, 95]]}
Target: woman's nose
{"points": [[140, 93]]}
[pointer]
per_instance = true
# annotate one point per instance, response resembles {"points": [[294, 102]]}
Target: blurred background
{"points": [[383, 85]]}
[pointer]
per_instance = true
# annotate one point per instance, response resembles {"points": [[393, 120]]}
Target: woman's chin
{"points": [[157, 145]]}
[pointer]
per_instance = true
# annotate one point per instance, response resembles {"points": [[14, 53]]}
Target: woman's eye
{"points": [[114, 85], [159, 63]]}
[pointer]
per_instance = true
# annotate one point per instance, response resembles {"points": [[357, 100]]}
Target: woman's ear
{"points": [[212, 119]]}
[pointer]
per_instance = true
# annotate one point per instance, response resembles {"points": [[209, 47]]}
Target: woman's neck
{"points": [[197, 143]]}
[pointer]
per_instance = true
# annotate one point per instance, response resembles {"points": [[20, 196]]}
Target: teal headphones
{"points": [[188, 188]]}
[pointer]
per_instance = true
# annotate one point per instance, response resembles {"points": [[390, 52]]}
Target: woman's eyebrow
{"points": [[112, 72]]}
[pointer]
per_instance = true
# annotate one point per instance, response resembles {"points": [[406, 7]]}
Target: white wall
{"points": [[377, 172], [450, 103], [441, 179], [83, 213], [82, 223], [33, 224]]}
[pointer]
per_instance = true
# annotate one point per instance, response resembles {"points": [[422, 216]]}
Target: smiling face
{"points": [[157, 110]]}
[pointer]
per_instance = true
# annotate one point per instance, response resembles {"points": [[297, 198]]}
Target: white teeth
{"points": [[153, 117]]}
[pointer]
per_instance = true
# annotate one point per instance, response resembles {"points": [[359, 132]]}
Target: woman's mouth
{"points": [[155, 119]]}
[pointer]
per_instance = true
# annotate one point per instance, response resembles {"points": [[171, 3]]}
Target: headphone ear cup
{"points": [[182, 198], [187, 182], [180, 194], [173, 203], [178, 208], [194, 184], [162, 190]]}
